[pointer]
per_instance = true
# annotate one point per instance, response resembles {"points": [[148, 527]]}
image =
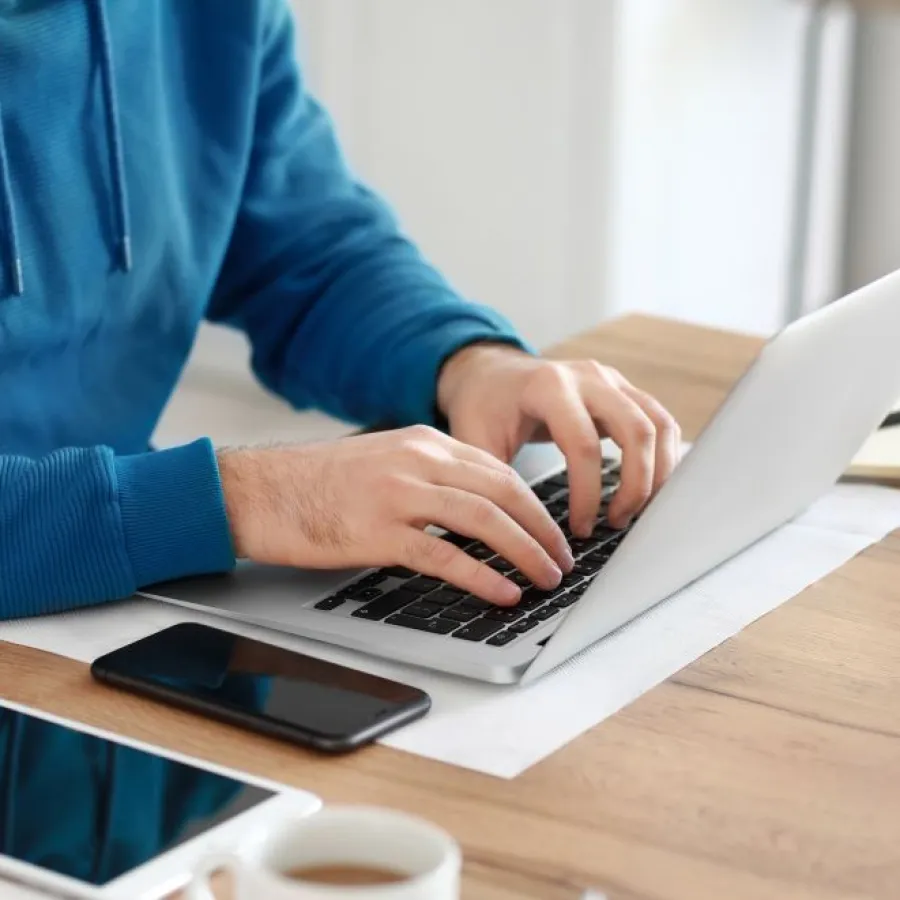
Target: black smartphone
{"points": [[262, 687]]}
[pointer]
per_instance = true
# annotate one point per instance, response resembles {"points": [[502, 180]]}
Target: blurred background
{"points": [[728, 162]]}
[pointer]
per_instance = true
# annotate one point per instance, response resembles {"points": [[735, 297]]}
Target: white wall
{"points": [[874, 205], [707, 127]]}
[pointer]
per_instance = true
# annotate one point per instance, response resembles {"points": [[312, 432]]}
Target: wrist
{"points": [[458, 367], [236, 488]]}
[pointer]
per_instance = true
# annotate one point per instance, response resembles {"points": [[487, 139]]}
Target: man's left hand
{"points": [[498, 398]]}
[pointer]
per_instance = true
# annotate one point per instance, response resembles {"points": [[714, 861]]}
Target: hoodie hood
{"points": [[100, 49]]}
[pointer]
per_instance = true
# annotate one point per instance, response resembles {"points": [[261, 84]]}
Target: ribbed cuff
{"points": [[428, 353], [173, 513]]}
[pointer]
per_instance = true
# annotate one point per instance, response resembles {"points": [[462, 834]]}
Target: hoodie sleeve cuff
{"points": [[173, 513], [426, 356]]}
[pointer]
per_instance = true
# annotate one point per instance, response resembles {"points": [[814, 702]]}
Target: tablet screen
{"points": [[93, 809]]}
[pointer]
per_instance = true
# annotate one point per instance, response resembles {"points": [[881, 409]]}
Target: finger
{"points": [[630, 427], [571, 427], [442, 460], [478, 517], [668, 434], [505, 488], [425, 553]]}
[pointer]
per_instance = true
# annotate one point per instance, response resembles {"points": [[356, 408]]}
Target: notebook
{"points": [[879, 459]]}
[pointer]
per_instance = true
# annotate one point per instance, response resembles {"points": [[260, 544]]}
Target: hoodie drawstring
{"points": [[114, 134], [8, 210], [100, 22]]}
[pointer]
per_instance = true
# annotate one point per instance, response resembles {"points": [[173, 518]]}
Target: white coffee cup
{"points": [[342, 836]]}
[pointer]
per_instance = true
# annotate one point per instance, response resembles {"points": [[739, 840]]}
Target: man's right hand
{"points": [[365, 501]]}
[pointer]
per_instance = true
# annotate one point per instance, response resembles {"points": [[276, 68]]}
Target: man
{"points": [[161, 163]]}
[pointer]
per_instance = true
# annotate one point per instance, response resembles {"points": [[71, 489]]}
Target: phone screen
{"points": [[93, 809], [223, 672]]}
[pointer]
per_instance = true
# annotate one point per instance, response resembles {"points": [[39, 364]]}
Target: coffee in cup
{"points": [[346, 875]]}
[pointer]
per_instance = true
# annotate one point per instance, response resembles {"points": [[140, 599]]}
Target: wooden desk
{"points": [[769, 768]]}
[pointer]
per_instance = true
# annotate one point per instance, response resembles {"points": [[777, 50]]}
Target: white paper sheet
{"points": [[504, 730]]}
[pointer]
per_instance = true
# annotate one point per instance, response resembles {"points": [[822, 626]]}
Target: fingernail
{"points": [[566, 558], [554, 575], [509, 593]]}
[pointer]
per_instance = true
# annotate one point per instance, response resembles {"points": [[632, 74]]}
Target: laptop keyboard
{"points": [[405, 599]]}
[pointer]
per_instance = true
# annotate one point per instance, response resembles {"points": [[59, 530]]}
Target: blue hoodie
{"points": [[161, 162]]}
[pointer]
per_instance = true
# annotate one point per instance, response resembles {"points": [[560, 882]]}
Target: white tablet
{"points": [[85, 814]]}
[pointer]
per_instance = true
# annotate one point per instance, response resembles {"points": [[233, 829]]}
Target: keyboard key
{"points": [[422, 585], [565, 601], [460, 613], [524, 625], [371, 580], [422, 610], [330, 603], [570, 580], [531, 604], [471, 602], [536, 595], [502, 639], [546, 490], [384, 606], [561, 480], [477, 630], [505, 615], [604, 533], [558, 508], [523, 581], [480, 551], [580, 546], [399, 572], [579, 589], [433, 626], [498, 564], [597, 558], [445, 596], [458, 540], [544, 613], [584, 570]]}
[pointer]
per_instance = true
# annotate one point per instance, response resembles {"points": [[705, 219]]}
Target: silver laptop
{"points": [[784, 435]]}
